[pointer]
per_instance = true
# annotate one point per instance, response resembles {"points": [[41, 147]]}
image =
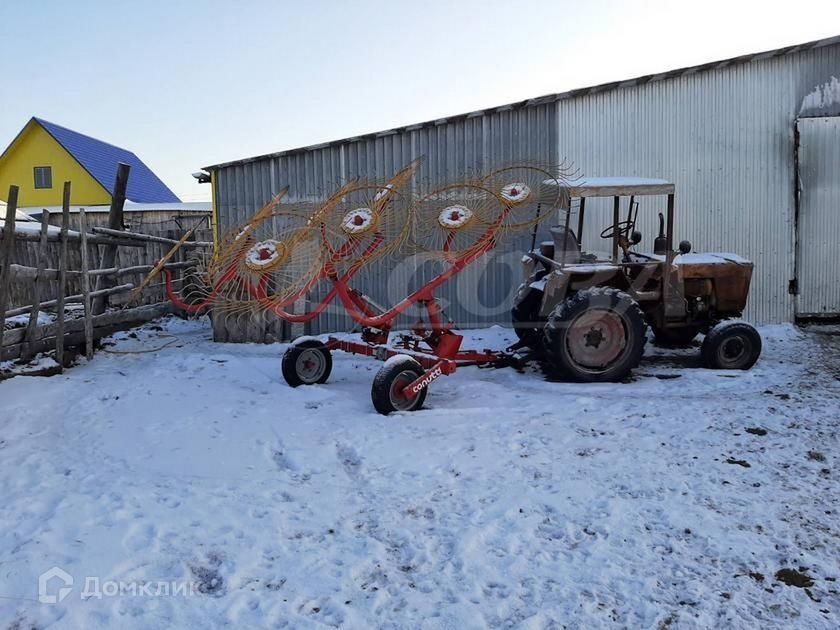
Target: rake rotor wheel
{"points": [[364, 221], [281, 256], [457, 220], [524, 187], [370, 222]]}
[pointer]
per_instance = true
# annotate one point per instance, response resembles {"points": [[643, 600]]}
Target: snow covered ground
{"points": [[669, 501]]}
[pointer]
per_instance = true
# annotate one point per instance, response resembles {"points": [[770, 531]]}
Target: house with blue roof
{"points": [[44, 155]]}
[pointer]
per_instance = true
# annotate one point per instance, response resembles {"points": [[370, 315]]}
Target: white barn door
{"points": [[818, 238]]}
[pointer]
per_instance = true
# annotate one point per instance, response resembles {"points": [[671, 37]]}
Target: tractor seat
{"points": [[566, 246]]}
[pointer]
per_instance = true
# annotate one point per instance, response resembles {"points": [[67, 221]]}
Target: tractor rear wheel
{"points": [[731, 345], [387, 391], [306, 363], [596, 335]]}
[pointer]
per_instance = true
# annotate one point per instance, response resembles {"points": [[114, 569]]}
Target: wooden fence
{"points": [[27, 253], [44, 268]]}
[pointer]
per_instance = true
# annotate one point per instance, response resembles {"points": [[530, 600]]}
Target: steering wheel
{"points": [[623, 227]]}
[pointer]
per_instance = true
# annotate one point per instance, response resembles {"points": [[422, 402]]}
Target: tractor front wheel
{"points": [[731, 346], [388, 391], [596, 335]]}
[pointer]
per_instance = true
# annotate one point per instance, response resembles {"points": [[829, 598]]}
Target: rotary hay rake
{"points": [[272, 262]]}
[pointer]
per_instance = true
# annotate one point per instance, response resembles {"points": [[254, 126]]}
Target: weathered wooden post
{"points": [[31, 328], [115, 222], [62, 277], [86, 286], [6, 247]]}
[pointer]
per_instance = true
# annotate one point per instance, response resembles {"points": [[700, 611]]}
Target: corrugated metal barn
{"points": [[752, 144]]}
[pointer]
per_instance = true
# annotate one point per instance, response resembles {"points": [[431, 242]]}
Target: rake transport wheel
{"points": [[731, 345], [387, 389], [306, 363], [597, 335]]}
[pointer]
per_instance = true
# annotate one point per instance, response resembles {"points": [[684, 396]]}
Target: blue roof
{"points": [[100, 160]]}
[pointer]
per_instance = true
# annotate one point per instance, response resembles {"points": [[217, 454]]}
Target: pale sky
{"points": [[187, 84]]}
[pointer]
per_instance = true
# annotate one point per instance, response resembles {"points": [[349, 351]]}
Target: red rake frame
{"points": [[438, 349], [433, 344]]}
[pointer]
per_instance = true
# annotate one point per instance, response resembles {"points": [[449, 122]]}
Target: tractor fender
{"points": [[555, 288]]}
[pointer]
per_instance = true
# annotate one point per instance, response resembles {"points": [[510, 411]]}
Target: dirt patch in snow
{"points": [[792, 577]]}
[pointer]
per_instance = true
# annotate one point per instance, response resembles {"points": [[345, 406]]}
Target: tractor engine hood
{"points": [[710, 259]]}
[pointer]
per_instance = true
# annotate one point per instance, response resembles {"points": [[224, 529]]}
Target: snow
{"points": [[697, 258], [36, 365], [30, 227], [709, 259], [19, 321], [397, 359], [454, 217], [586, 268], [19, 215], [608, 182], [305, 338], [33, 227], [611, 182], [510, 501], [130, 206]]}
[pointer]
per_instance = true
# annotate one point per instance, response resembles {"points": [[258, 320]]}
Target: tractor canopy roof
{"points": [[618, 187]]}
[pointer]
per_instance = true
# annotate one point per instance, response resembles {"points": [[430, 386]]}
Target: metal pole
{"points": [[580, 220], [616, 201], [670, 223], [669, 295], [534, 233], [565, 236]]}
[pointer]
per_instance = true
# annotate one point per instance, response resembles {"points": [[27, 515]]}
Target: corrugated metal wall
{"points": [[478, 296], [818, 267], [724, 136]]}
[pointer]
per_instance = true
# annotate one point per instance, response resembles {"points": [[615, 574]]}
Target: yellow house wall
{"points": [[35, 147]]}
